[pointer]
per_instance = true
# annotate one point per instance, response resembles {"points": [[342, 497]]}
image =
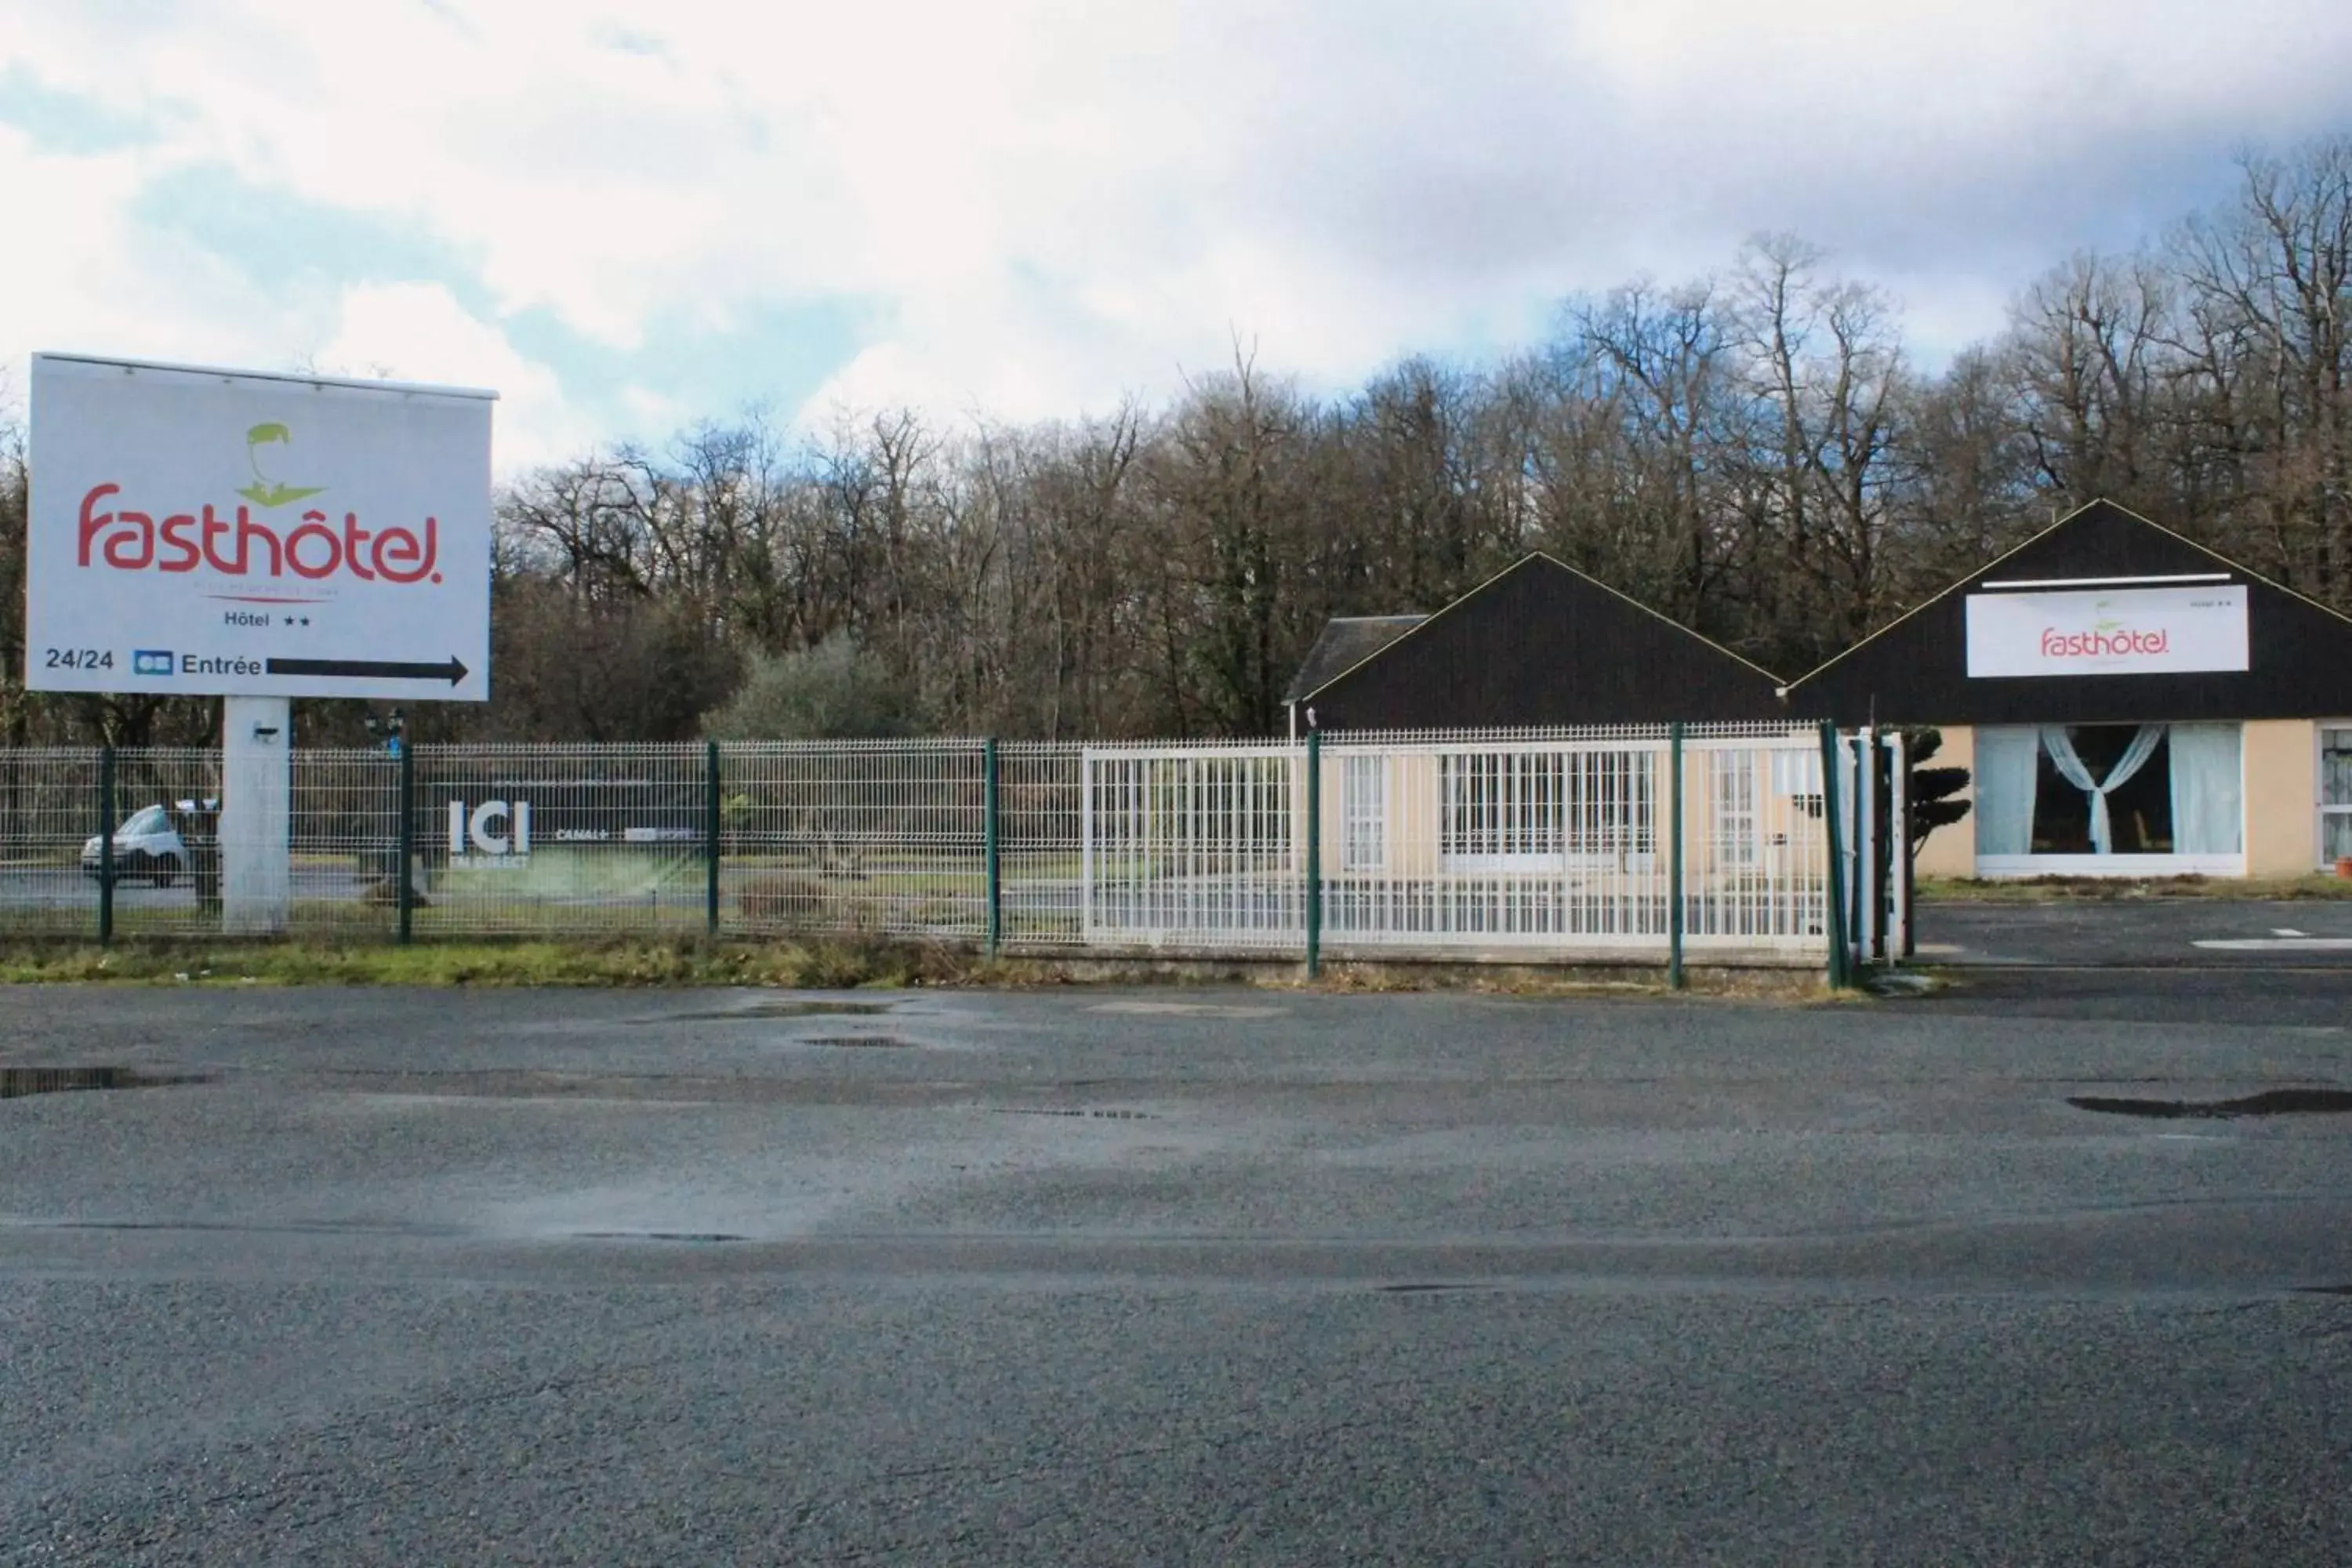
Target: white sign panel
{"points": [[203, 533], [2117, 631]]}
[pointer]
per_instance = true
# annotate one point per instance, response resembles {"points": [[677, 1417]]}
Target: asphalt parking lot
{"points": [[1180, 1275], [2152, 932]]}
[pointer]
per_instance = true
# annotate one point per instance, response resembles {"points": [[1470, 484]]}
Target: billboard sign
{"points": [[2129, 631], [205, 532]]}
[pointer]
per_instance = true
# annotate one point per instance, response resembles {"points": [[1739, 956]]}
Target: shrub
{"points": [[835, 690]]}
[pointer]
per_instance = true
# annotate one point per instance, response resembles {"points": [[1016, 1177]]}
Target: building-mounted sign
{"points": [[2109, 631], [205, 532]]}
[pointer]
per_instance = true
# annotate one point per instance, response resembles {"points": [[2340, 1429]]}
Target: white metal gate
{"points": [[1557, 843], [1519, 842], [1757, 848]]}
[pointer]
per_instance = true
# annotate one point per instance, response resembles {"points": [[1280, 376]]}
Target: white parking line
{"points": [[2277, 944]]}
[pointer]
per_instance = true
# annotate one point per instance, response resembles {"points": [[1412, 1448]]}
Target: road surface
{"points": [[1177, 1276]]}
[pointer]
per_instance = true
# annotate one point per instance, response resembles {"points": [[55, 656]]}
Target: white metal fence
{"points": [[1192, 846], [1525, 845]]}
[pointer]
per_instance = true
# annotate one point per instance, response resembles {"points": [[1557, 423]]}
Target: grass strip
{"points": [[2113, 890], [829, 964]]}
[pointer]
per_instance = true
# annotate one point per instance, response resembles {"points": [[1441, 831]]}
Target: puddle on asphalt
{"points": [[2270, 1102], [18, 1081], [757, 1010], [1188, 1010], [1425, 1288], [1898, 983]]}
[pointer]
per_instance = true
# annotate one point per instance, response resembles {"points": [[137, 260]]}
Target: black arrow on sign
{"points": [[385, 668]]}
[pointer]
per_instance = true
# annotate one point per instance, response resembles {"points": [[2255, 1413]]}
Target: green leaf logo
{"points": [[265, 491]]}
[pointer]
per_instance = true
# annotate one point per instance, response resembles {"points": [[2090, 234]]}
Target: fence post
{"points": [[1898, 845], [1675, 977], [713, 847], [1840, 968], [1870, 892], [1086, 843], [105, 846], [404, 846], [1314, 853], [992, 843]]}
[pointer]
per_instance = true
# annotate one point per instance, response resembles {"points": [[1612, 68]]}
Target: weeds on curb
{"points": [[829, 963]]}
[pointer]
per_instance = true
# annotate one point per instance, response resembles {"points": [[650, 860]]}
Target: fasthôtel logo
{"points": [[2107, 640], [315, 548], [150, 661]]}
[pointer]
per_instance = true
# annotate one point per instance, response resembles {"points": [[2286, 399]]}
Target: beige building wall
{"points": [[2281, 761], [1413, 807], [1952, 851], [2281, 774]]}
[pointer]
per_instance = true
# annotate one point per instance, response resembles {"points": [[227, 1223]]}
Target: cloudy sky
{"points": [[627, 216]]}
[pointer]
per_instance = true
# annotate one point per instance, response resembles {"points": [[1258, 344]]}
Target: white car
{"points": [[147, 846]]}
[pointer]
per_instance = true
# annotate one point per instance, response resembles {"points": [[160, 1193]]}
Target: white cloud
{"points": [[100, 283], [418, 331], [78, 274], [1044, 204]]}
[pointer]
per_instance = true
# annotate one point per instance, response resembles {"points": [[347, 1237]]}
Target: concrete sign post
{"points": [[217, 534], [256, 819]]}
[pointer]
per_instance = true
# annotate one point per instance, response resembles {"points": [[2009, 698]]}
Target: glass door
{"points": [[1365, 814], [1731, 783], [2334, 793]]}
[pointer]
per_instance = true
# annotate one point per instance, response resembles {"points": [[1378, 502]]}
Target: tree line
{"points": [[1753, 452]]}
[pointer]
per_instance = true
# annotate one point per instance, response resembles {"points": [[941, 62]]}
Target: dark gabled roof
{"points": [[1346, 642], [1539, 643], [1914, 671]]}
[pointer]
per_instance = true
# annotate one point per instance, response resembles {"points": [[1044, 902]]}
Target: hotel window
{"points": [[2102, 790], [1532, 810], [1796, 777]]}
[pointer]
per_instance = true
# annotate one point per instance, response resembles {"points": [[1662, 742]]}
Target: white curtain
{"points": [[2208, 807], [2006, 770], [2060, 747]]}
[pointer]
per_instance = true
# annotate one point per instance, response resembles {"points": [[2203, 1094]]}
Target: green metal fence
{"points": [[1528, 847]]}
